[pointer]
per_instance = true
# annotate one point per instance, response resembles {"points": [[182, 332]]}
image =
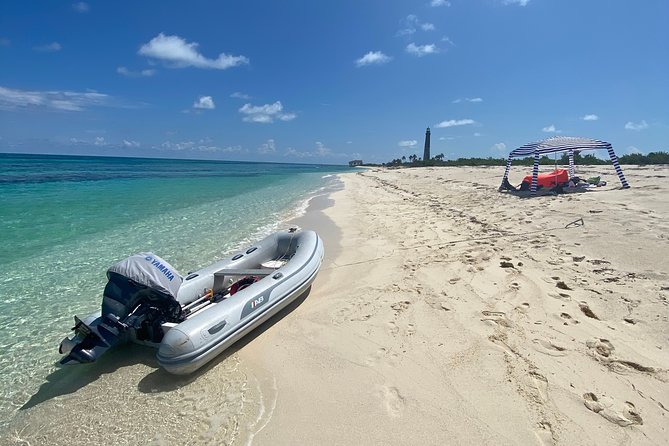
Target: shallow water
{"points": [[63, 221]]}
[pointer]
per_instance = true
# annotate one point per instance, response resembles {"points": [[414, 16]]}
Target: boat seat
{"points": [[221, 275]]}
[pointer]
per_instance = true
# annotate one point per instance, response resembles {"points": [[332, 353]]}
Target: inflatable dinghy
{"points": [[192, 319]]}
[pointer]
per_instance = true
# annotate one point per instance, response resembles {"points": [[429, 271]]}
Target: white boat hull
{"points": [[214, 314]]}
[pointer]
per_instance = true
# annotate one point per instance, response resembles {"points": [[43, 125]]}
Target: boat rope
{"points": [[574, 224]]}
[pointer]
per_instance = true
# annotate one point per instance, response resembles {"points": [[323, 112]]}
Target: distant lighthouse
{"points": [[426, 151]]}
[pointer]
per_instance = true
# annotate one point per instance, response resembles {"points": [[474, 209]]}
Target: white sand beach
{"points": [[453, 314], [445, 313]]}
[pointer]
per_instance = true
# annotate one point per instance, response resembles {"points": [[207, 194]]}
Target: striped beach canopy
{"points": [[559, 144], [569, 144]]}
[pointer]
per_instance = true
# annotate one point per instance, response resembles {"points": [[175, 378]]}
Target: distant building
{"points": [[355, 163], [426, 151]]}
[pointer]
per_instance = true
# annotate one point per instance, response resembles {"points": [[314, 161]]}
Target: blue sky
{"points": [[329, 81]]}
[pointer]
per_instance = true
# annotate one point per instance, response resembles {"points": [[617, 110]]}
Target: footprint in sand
{"points": [[400, 307], [561, 296], [380, 355], [600, 348], [393, 401], [523, 308], [603, 351], [623, 415], [497, 317], [567, 319], [547, 347], [544, 433], [563, 286], [587, 311], [540, 383]]}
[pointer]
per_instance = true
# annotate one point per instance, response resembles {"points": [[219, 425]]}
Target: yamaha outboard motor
{"points": [[139, 297]]}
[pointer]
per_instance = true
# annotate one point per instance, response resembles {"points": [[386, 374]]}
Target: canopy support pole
{"points": [[571, 163], [616, 165], [506, 173], [535, 173]]}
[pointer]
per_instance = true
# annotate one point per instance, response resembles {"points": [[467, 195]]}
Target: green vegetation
{"points": [[589, 159]]}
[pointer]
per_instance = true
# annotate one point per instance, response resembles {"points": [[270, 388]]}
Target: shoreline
{"points": [[131, 374], [315, 218]]}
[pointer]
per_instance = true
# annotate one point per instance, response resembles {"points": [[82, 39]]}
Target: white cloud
{"points": [[293, 152], [500, 146], [408, 143], [142, 73], [81, 7], [477, 134], [204, 103], [634, 150], [590, 118], [217, 149], [551, 129], [421, 50], [99, 141], [435, 3], [636, 126], [406, 31], [268, 147], [49, 47], [204, 145], [373, 58], [127, 143], [185, 145], [516, 2], [447, 40], [233, 149], [411, 23], [322, 150], [266, 113], [180, 54], [457, 101], [240, 95], [454, 123], [11, 99]]}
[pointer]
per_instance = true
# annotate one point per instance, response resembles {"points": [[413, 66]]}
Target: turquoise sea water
{"points": [[64, 220]]}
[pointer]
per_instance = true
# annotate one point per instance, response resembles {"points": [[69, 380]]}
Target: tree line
{"points": [[589, 159]]}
